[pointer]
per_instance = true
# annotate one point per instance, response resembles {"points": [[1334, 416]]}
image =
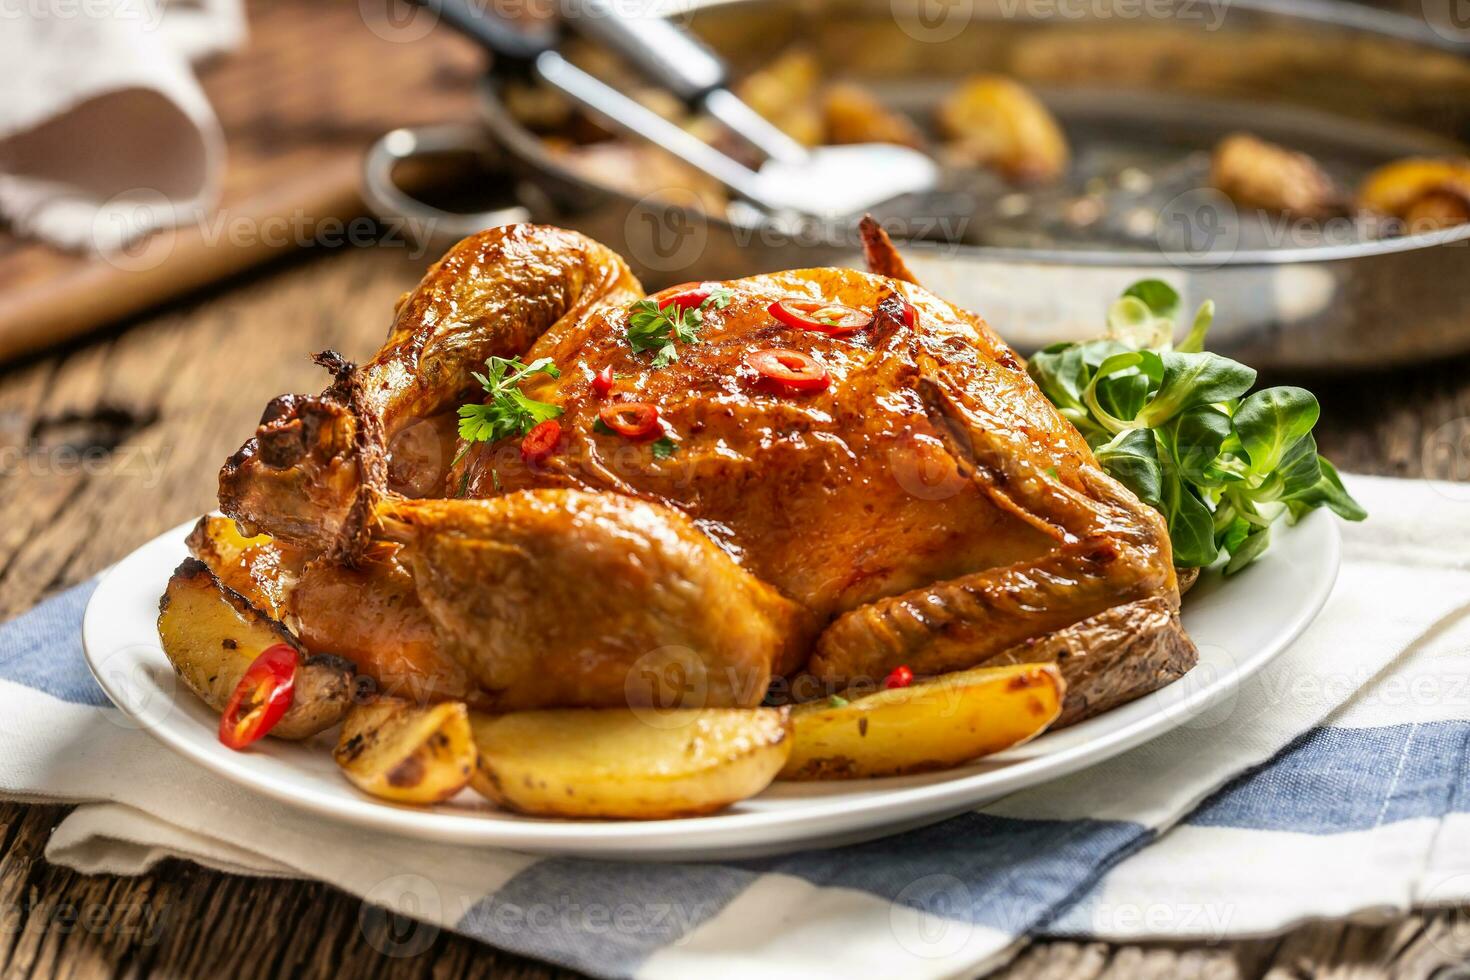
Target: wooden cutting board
{"points": [[317, 82]]}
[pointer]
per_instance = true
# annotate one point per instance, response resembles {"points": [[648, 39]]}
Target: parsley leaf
{"points": [[664, 447], [654, 329], [507, 412], [657, 330]]}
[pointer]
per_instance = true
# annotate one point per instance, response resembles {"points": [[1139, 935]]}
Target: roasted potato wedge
{"points": [[1256, 174], [407, 753], [1425, 192], [932, 724], [255, 567], [785, 92], [211, 635], [993, 121], [851, 114], [623, 764]]}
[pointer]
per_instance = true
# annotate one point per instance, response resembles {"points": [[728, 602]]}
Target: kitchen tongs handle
{"points": [[632, 117], [675, 59], [516, 41], [535, 51], [668, 55]]}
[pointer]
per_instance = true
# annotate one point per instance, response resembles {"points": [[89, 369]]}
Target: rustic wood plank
{"points": [[168, 397]]}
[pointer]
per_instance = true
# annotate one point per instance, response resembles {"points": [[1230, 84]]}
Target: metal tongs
{"points": [[828, 182]]}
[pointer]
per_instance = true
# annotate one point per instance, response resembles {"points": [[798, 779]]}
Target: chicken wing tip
{"points": [[880, 253]]}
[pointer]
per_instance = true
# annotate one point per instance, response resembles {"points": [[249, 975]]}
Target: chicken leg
{"points": [[575, 599], [311, 473]]}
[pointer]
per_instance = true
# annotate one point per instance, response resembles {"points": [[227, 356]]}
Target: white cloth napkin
{"points": [[104, 131], [1336, 782]]}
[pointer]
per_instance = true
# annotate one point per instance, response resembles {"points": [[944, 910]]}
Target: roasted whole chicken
{"points": [[911, 499]]}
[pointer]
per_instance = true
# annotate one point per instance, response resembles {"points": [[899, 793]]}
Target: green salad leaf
{"points": [[1181, 428]]}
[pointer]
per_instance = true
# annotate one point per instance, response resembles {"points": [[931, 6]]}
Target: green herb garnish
{"points": [[654, 329], [1180, 427], [837, 701], [664, 447], [506, 412]]}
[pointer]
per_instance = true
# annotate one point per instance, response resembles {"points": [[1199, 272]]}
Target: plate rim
{"points": [[709, 836]]}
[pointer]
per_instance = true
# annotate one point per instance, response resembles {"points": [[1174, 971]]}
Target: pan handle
{"points": [[425, 222]]}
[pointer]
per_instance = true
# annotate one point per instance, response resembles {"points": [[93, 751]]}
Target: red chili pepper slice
{"points": [[832, 319], [631, 420], [900, 676], [541, 441], [686, 296], [789, 368], [602, 381], [910, 315], [263, 695]]}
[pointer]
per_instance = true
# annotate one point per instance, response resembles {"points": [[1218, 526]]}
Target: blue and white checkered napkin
{"points": [[1335, 783]]}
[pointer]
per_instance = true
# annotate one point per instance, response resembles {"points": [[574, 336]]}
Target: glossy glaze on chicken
{"points": [[928, 507]]}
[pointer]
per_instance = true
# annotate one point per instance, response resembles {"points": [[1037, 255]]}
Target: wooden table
{"points": [[122, 437]]}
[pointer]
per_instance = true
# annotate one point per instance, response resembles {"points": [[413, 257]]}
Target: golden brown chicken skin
{"points": [[926, 507]]}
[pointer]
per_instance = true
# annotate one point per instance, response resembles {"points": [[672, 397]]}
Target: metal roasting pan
{"points": [[1143, 88]]}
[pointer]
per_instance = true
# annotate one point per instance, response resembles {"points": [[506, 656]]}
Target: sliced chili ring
{"points": [[900, 676], [541, 441], [263, 695], [832, 319], [602, 382], [686, 296], [790, 369], [631, 420]]}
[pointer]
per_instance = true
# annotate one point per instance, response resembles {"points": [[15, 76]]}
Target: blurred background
{"points": [[1301, 162]]}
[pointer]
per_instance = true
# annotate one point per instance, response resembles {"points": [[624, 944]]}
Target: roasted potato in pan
{"points": [[407, 753], [211, 635], [932, 724], [1256, 174], [618, 763], [852, 114], [1427, 193], [997, 122]]}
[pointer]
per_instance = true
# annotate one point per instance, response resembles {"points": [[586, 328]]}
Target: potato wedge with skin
{"points": [[1256, 174], [1426, 193], [932, 724], [852, 114], [623, 764], [211, 635], [257, 568], [407, 753], [993, 121]]}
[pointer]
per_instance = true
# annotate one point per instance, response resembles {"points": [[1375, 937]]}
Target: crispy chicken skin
{"points": [[928, 508]]}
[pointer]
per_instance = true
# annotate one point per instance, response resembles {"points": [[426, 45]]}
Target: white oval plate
{"points": [[1239, 626]]}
